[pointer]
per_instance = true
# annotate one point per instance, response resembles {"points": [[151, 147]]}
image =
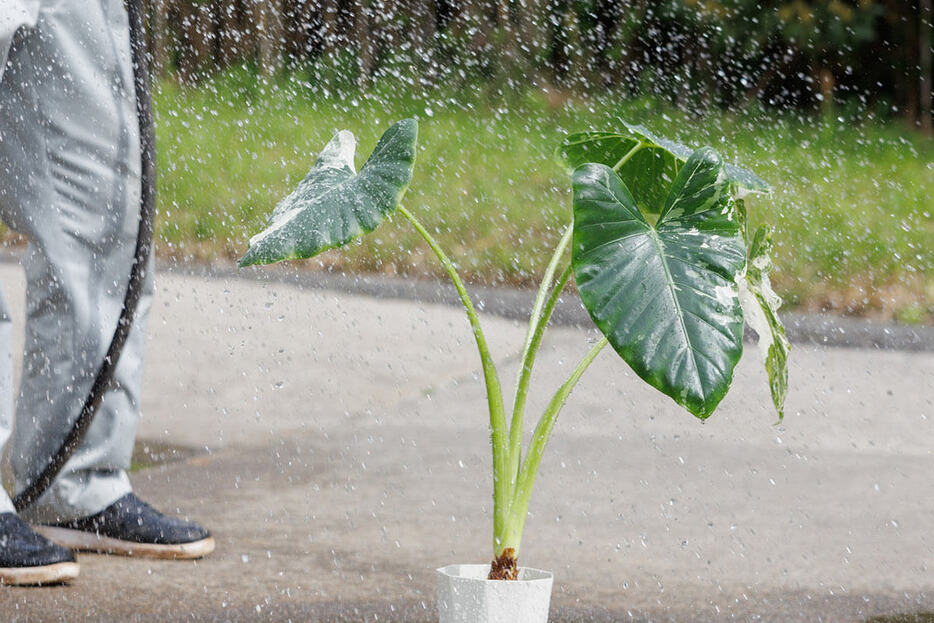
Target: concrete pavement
{"points": [[337, 446]]}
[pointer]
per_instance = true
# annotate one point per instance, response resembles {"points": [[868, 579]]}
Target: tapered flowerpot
{"points": [[466, 596]]}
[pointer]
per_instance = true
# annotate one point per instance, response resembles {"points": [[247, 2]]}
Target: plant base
{"points": [[465, 595], [505, 566]]}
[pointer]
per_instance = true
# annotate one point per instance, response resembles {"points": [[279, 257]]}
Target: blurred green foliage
{"points": [[851, 206]]}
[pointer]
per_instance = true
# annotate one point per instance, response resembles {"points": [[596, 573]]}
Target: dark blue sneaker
{"points": [[29, 558], [130, 527]]}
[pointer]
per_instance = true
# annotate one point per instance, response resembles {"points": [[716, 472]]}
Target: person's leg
{"points": [[82, 235], [25, 556], [6, 387], [73, 190], [82, 227]]}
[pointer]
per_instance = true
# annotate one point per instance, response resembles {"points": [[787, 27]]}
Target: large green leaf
{"points": [[647, 163], [334, 205], [760, 307], [647, 170], [665, 296]]}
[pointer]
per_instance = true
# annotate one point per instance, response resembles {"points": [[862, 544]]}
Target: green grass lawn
{"points": [[853, 203]]}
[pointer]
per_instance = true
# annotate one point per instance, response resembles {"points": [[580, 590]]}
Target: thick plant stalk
{"points": [[522, 389], [515, 522], [494, 391], [541, 314]]}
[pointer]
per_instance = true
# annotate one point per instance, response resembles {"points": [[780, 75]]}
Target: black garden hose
{"points": [[105, 373]]}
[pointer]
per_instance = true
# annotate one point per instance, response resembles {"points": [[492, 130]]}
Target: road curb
{"points": [[515, 304]]}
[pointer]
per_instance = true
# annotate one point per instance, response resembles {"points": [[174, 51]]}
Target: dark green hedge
{"points": [[868, 55]]}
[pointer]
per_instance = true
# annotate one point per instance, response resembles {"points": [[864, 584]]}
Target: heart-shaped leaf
{"points": [[647, 163], [334, 205], [665, 296], [760, 307]]}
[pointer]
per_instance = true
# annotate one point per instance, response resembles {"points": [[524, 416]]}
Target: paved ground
{"points": [[337, 446]]}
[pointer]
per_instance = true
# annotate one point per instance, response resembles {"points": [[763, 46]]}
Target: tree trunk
{"points": [[363, 36], [229, 32], [926, 30], [158, 31], [333, 19], [301, 30], [423, 37], [827, 83], [196, 41], [268, 35], [558, 58]]}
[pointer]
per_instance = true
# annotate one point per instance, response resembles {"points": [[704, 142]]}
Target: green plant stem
{"points": [[522, 389], [629, 154], [494, 392], [515, 522], [541, 314]]}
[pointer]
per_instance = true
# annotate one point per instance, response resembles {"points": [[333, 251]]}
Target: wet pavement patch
{"points": [[148, 454]]}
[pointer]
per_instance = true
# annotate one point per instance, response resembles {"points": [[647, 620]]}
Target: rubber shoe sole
{"points": [[81, 541], [59, 573]]}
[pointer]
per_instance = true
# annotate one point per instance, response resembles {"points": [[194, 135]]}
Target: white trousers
{"points": [[70, 182]]}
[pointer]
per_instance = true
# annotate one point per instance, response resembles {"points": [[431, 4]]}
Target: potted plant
{"points": [[661, 259]]}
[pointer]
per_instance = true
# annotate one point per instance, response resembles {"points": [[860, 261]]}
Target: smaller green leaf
{"points": [[743, 180], [333, 205], [647, 163], [760, 308], [646, 169]]}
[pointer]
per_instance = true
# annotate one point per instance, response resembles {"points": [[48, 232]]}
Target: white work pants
{"points": [[70, 182]]}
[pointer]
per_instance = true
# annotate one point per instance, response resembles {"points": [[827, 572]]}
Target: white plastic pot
{"points": [[466, 596]]}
